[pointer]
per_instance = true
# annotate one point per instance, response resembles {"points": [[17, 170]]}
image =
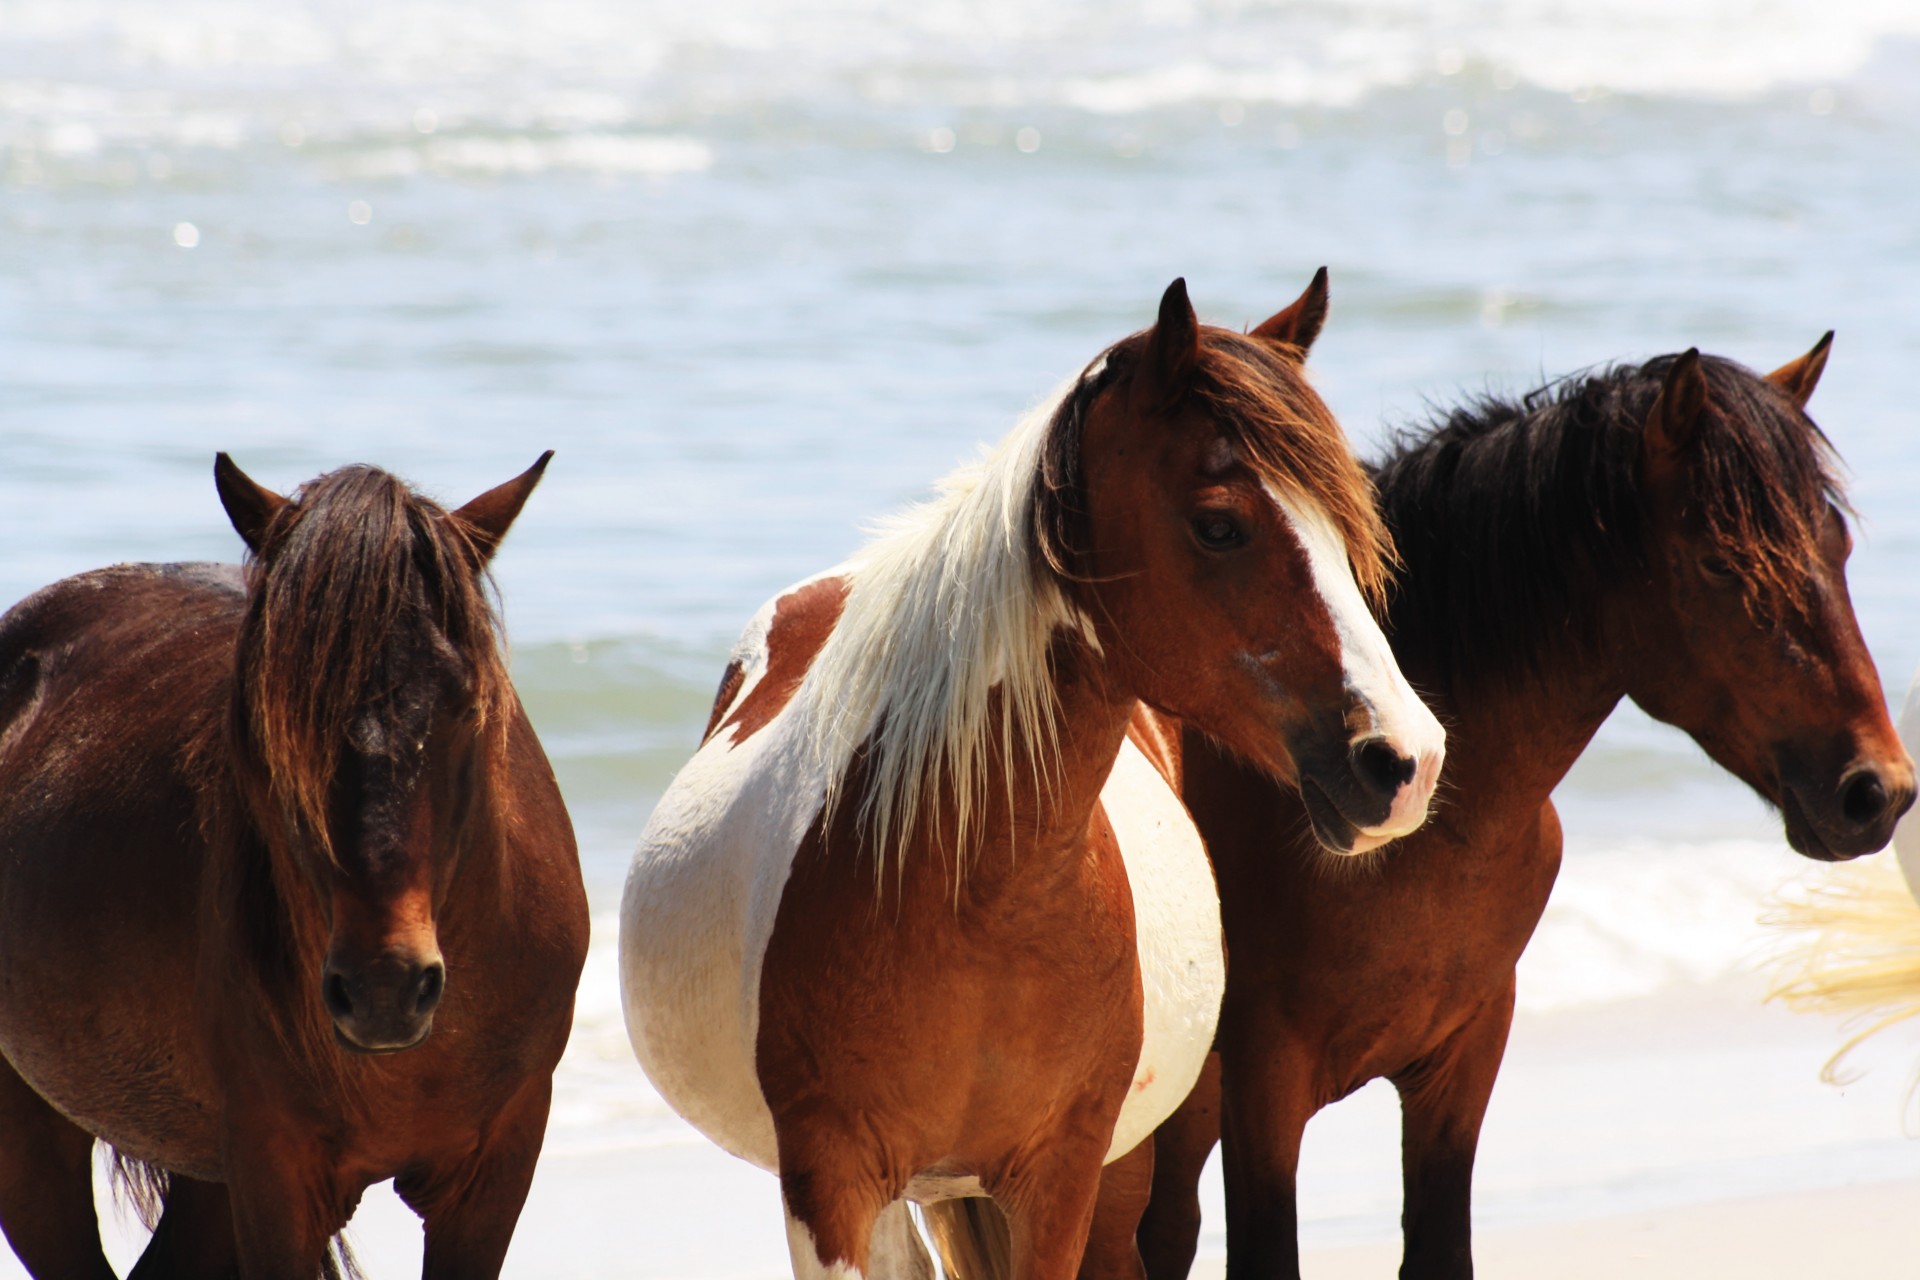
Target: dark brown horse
{"points": [[289, 904], [1670, 533]]}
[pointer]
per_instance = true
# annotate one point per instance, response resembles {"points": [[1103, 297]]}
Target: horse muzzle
{"points": [[1378, 790], [1835, 823], [384, 1005]]}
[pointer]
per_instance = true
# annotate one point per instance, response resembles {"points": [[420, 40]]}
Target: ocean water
{"points": [[760, 271]]}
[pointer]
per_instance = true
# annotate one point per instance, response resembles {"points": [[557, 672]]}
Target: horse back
{"points": [[106, 679]]}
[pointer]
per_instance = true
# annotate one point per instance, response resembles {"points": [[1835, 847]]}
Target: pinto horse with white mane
{"points": [[922, 918], [289, 904]]}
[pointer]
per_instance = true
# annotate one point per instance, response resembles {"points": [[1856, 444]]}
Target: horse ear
{"points": [[1173, 344], [250, 506], [488, 517], [1676, 412], [1799, 377], [1299, 324]]}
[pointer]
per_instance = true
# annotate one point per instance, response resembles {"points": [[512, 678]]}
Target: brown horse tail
{"points": [[138, 1186], [340, 1264], [971, 1237], [1861, 955], [142, 1187]]}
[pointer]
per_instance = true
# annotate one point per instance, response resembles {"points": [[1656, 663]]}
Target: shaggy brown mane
{"points": [[353, 561], [1516, 516]]}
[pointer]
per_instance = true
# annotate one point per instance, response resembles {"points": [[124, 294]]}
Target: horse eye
{"points": [[1716, 568], [1217, 532]]}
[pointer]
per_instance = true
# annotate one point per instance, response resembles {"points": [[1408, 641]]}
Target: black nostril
{"points": [[1863, 800], [1380, 768], [431, 983], [333, 990]]}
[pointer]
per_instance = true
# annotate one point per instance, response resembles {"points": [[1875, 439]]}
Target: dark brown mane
{"points": [[354, 561], [1516, 516], [1276, 423]]}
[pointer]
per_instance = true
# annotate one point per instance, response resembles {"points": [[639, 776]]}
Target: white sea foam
{"points": [[1646, 916], [126, 70], [495, 156]]}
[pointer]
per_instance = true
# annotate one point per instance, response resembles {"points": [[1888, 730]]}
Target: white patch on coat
{"points": [[697, 914], [1176, 916]]}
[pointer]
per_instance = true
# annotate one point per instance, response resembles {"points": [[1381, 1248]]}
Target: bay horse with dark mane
{"points": [[289, 904], [1671, 533], [922, 919]]}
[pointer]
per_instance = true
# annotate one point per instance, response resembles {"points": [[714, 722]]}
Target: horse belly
{"points": [[1183, 971], [97, 1002], [695, 919]]}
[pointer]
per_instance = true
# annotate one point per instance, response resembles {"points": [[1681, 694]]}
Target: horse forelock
{"points": [[1259, 399], [1764, 476], [352, 571], [1516, 517], [1281, 428]]}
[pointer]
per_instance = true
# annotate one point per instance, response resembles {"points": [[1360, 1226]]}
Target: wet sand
{"points": [[1682, 1135]]}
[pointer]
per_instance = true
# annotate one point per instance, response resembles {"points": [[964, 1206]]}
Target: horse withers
{"points": [[1670, 532], [289, 904], [923, 919]]}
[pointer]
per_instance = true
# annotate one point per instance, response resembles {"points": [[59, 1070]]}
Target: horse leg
{"points": [[1443, 1099], [897, 1252], [46, 1186], [834, 1189], [1266, 1101], [287, 1204], [1125, 1185], [1049, 1192], [471, 1209], [1169, 1233], [194, 1236]]}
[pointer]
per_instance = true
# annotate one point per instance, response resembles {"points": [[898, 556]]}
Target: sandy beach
{"points": [[1685, 1134], [1866, 1230]]}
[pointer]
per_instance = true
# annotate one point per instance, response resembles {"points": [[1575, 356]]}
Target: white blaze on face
{"points": [[1372, 675]]}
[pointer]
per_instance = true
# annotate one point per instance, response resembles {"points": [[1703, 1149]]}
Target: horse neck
{"points": [[1512, 743], [1514, 730], [1039, 829]]}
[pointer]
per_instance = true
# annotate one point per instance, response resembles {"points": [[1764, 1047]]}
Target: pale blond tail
{"points": [[1862, 957], [972, 1238]]}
